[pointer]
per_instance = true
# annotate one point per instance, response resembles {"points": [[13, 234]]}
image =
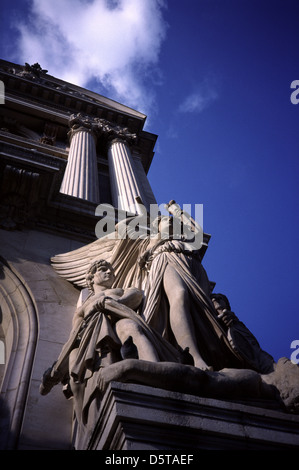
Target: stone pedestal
{"points": [[136, 417]]}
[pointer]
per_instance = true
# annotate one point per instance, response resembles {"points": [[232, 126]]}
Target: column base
{"points": [[137, 417]]}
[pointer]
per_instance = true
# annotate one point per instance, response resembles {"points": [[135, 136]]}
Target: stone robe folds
{"points": [[97, 346], [125, 253], [211, 336]]}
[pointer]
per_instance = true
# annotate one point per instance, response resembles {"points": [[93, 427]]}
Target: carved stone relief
{"points": [[149, 316]]}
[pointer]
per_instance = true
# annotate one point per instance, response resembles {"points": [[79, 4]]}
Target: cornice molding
{"points": [[31, 90], [36, 82], [100, 127]]}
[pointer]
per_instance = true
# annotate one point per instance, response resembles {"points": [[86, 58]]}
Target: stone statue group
{"points": [[149, 316]]}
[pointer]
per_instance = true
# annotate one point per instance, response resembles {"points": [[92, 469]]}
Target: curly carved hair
{"points": [[95, 265]]}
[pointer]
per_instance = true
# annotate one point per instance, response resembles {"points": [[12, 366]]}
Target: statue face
{"points": [[166, 226], [104, 276]]}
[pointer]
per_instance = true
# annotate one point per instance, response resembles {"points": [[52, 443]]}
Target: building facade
{"points": [[63, 151]]}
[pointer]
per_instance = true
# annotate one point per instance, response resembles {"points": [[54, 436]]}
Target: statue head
{"points": [[164, 227], [100, 266]]}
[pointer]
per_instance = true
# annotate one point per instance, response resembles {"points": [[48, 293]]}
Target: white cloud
{"points": [[199, 100], [116, 42]]}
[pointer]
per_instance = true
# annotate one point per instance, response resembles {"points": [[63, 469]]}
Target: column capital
{"points": [[80, 122], [100, 127], [115, 133]]}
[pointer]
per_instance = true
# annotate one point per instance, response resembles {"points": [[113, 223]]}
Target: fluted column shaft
{"points": [[81, 173], [141, 175], [124, 184]]}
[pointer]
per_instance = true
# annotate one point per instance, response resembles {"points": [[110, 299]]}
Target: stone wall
{"points": [[37, 309]]}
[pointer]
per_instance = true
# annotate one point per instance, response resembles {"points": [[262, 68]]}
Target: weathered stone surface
{"points": [[47, 424], [285, 378], [53, 302], [137, 417], [155, 324], [180, 339]]}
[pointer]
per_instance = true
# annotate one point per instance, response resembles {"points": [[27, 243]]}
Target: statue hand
{"points": [[227, 317], [101, 302], [171, 203], [95, 306], [173, 208]]}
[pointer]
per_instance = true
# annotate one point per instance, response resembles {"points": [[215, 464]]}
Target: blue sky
{"points": [[214, 78]]}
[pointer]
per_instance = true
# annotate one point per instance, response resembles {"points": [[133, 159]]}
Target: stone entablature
{"points": [[34, 87], [40, 121], [63, 94]]}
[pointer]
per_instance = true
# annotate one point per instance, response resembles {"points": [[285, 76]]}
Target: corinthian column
{"points": [[124, 184], [149, 197], [81, 173]]}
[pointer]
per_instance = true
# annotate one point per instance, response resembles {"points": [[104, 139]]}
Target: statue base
{"points": [[137, 417]]}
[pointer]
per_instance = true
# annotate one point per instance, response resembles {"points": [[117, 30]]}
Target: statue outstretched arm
{"points": [[189, 223], [132, 297]]}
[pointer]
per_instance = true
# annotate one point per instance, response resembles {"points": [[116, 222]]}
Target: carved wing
{"points": [[73, 265]]}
